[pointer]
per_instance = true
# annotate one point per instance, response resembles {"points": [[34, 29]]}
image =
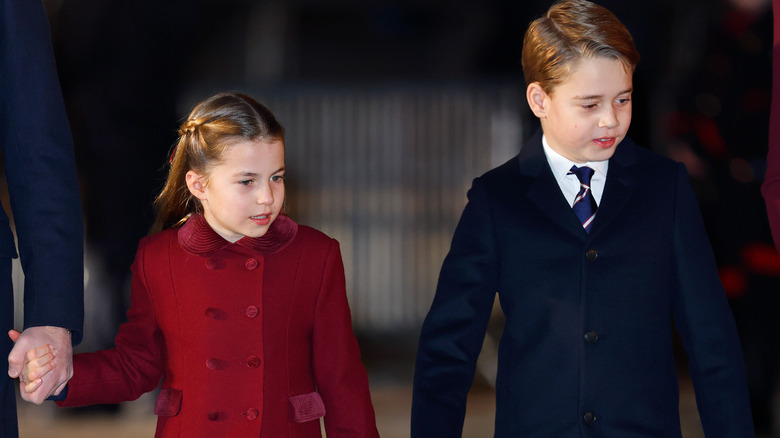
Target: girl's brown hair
{"points": [[212, 126], [573, 30]]}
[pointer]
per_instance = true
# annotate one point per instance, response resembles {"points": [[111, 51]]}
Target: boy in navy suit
{"points": [[596, 248]]}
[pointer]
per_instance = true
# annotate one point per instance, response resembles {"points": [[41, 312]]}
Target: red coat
{"points": [[252, 339]]}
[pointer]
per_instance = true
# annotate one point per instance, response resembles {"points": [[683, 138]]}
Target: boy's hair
{"points": [[573, 30], [210, 129]]}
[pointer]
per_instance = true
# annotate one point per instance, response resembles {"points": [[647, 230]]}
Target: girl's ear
{"points": [[538, 100], [196, 184]]}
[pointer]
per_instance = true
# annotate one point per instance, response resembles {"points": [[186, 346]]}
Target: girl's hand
{"points": [[37, 363]]}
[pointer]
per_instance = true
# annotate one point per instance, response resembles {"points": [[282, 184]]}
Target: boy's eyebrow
{"points": [[600, 96]]}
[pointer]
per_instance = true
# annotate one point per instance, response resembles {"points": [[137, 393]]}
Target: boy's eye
{"points": [[624, 100], [277, 178], [245, 182], [589, 106]]}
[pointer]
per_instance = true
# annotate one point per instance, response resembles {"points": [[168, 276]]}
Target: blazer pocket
{"points": [[306, 407], [168, 403]]}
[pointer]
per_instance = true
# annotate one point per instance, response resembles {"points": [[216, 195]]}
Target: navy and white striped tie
{"points": [[584, 204]]}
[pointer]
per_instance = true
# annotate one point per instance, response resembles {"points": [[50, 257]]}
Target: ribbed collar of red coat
{"points": [[197, 237]]}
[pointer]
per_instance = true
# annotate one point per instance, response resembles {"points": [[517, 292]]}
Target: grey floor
{"points": [[392, 402]]}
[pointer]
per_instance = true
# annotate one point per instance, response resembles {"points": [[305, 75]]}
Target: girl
{"points": [[241, 311]]}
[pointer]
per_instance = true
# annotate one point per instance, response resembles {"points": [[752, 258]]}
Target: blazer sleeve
{"points": [[454, 329], [341, 379], [706, 325], [132, 368], [41, 171], [771, 186]]}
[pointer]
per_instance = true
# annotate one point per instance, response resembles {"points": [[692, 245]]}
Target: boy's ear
{"points": [[537, 99], [196, 184]]}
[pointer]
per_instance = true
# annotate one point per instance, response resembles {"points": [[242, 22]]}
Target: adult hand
{"points": [[54, 382]]}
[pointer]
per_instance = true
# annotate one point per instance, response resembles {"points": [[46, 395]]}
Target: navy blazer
{"points": [[40, 169], [587, 344]]}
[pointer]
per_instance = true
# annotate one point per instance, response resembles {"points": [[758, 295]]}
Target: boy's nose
{"points": [[609, 119]]}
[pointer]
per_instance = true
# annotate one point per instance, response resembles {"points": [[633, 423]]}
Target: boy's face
{"points": [[587, 115]]}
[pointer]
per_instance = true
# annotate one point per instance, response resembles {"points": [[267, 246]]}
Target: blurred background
{"points": [[391, 109]]}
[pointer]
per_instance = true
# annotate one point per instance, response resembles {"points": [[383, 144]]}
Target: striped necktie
{"points": [[584, 204]]}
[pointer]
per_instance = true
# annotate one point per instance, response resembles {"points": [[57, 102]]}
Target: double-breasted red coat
{"points": [[251, 339]]}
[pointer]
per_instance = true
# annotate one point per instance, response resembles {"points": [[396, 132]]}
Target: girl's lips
{"points": [[261, 219], [606, 142]]}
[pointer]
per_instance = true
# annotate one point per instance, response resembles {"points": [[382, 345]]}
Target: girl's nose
{"points": [[265, 195]]}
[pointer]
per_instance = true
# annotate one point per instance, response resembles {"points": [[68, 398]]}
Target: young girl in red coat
{"points": [[242, 312]]}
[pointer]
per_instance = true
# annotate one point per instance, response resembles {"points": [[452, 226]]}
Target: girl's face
{"points": [[242, 195], [588, 114]]}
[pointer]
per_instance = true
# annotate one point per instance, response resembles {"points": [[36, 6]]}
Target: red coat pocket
{"points": [[168, 403], [306, 407]]}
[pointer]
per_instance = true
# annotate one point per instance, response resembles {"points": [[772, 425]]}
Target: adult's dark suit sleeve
{"points": [[40, 168], [771, 186], [454, 330]]}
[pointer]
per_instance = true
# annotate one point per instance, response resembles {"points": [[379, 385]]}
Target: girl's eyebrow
{"points": [[247, 173]]}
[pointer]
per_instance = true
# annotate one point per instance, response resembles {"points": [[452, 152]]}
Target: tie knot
{"points": [[583, 173]]}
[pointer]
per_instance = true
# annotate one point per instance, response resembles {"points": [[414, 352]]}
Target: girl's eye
{"points": [[245, 182], [623, 101], [277, 178], [590, 106]]}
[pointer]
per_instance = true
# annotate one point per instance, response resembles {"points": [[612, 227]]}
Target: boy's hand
{"points": [[37, 363], [57, 377]]}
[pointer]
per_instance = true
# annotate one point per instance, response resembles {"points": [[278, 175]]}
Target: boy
{"points": [[595, 246]]}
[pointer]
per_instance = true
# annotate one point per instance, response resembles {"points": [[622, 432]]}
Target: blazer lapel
{"points": [[620, 187], [544, 191]]}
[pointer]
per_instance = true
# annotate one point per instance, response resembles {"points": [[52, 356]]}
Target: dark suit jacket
{"points": [[587, 345], [40, 169], [771, 185]]}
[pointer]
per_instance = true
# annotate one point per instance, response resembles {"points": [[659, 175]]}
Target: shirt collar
{"points": [[197, 237], [560, 165]]}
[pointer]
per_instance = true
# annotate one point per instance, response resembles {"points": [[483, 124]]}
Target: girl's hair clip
{"points": [[173, 154]]}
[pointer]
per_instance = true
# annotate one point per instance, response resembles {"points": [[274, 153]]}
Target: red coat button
{"points": [[252, 311], [213, 416], [251, 264], [253, 361], [252, 413], [212, 364], [211, 263]]}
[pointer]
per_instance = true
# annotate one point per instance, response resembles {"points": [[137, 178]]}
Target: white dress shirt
{"points": [[570, 184]]}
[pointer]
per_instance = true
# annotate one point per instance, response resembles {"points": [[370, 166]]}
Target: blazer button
{"points": [[211, 263], [591, 337], [251, 413], [251, 264], [252, 311], [213, 416], [591, 255], [589, 417], [253, 361], [212, 364]]}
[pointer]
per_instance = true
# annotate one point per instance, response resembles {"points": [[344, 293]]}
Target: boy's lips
{"points": [[605, 142]]}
